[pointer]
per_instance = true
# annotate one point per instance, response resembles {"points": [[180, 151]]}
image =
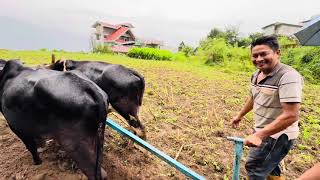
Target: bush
{"points": [[179, 56], [150, 53], [104, 49], [188, 51], [214, 50], [287, 42], [304, 59]]}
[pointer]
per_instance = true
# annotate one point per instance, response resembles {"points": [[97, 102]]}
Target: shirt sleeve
{"points": [[290, 89]]}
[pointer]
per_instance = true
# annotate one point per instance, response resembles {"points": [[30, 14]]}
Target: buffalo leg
{"points": [[30, 144], [82, 149], [41, 142]]}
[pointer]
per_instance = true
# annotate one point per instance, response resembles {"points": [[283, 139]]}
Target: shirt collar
{"points": [[273, 72], [275, 69]]}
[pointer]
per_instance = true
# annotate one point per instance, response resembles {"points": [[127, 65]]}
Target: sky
{"points": [[66, 24]]}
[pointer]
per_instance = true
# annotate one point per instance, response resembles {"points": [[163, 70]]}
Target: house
{"points": [[120, 37], [279, 28]]}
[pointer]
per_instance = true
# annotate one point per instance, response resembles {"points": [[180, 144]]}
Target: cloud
{"points": [[171, 21], [21, 35]]}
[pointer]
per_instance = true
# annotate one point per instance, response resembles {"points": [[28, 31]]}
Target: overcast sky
{"points": [[66, 24]]}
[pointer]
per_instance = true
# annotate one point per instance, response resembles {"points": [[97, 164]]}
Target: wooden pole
{"points": [[53, 58]]}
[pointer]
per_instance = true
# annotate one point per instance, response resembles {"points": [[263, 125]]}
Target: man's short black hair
{"points": [[270, 41]]}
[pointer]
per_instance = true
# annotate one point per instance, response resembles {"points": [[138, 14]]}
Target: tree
{"points": [[244, 42], [232, 35], [181, 46], [187, 50], [255, 36], [215, 33]]}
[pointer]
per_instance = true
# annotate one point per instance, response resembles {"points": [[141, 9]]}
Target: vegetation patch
{"points": [[150, 53]]}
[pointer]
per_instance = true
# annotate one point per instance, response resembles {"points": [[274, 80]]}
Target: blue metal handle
{"points": [[238, 151], [188, 172]]}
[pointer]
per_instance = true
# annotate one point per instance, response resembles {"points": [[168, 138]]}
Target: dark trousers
{"points": [[264, 160]]}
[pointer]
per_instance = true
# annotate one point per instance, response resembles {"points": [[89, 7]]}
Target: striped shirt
{"points": [[283, 84]]}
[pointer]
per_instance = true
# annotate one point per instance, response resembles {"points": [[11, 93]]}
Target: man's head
{"points": [[265, 53]]}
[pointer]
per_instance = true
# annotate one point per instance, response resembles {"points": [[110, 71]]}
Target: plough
{"points": [[172, 162]]}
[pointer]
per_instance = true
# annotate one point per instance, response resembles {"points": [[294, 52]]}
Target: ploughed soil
{"points": [[121, 160], [187, 116]]}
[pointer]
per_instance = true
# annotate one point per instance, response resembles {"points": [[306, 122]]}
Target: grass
{"points": [[188, 104]]}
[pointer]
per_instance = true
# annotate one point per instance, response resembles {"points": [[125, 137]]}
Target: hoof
{"points": [[37, 162]]}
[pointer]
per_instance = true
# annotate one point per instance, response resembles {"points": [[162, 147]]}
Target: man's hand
{"points": [[253, 140], [246, 108], [235, 121]]}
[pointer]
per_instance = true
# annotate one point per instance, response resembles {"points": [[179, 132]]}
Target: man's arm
{"points": [[289, 115], [311, 174], [245, 109]]}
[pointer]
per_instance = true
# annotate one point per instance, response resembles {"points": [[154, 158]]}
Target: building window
{"points": [[126, 39]]}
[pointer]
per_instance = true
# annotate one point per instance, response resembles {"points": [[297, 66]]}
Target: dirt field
{"points": [[186, 116]]}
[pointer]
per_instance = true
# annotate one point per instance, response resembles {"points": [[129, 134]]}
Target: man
{"points": [[275, 98]]}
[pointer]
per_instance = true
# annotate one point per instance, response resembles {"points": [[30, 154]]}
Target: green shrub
{"points": [[287, 42], [103, 49], [187, 50], [309, 55], [215, 50], [57, 50], [304, 59], [314, 67], [150, 53], [179, 56]]}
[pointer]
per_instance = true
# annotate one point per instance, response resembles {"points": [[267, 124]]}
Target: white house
{"points": [[279, 28]]}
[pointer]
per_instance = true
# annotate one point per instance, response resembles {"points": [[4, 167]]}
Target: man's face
{"points": [[264, 58]]}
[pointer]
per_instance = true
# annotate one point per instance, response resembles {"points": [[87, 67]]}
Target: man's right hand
{"points": [[235, 121]]}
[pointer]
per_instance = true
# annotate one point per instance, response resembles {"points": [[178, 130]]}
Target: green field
{"points": [[187, 109]]}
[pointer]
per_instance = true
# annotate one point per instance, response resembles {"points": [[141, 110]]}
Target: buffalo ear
{"points": [[58, 65]]}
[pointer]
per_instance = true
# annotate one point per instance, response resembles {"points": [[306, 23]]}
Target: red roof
{"points": [[115, 35], [119, 30]]}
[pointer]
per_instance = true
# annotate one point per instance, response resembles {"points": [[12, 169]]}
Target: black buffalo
{"points": [[40, 103], [124, 86]]}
